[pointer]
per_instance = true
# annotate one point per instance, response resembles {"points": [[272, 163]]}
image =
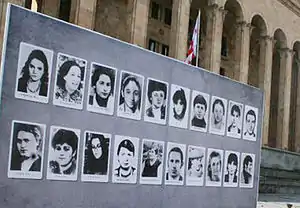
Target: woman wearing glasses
{"points": [[96, 155], [64, 144]]}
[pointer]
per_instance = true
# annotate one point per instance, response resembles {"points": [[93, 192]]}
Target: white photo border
{"points": [[53, 176], [62, 103], [153, 120], [191, 181], [207, 180], [228, 184], [26, 174], [230, 104], [24, 95], [136, 143], [206, 96], [182, 147], [150, 180], [91, 177], [127, 115], [183, 124], [244, 185], [211, 128], [246, 137], [99, 109]]}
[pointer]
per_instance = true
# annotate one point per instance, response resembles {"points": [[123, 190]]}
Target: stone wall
{"points": [[113, 18], [279, 172]]}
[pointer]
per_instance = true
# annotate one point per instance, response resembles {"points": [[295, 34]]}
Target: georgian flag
{"points": [[193, 45]]}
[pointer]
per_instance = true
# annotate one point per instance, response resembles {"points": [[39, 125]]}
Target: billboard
{"points": [[91, 121]]}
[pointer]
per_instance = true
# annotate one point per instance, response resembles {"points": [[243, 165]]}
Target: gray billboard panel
{"points": [[63, 86]]}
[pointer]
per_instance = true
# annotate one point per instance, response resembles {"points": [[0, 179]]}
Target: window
{"points": [[152, 45], [165, 50], [168, 16], [155, 10], [64, 10], [224, 47]]}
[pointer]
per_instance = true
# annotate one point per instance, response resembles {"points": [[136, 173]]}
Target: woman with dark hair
{"points": [[232, 167], [35, 75], [157, 95], [246, 176], [179, 104], [70, 76], [96, 156], [130, 99], [64, 144], [102, 84]]}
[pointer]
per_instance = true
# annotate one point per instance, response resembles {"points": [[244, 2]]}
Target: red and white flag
{"points": [[192, 52]]}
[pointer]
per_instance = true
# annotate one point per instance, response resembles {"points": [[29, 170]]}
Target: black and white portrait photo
{"points": [[126, 151], [231, 169], [156, 101], [130, 95], [34, 73], [152, 157], [102, 86], [179, 106], [214, 167], [199, 111], [195, 167], [95, 165], [26, 151], [175, 163], [250, 123], [247, 170], [69, 81], [218, 115], [63, 153], [234, 119]]}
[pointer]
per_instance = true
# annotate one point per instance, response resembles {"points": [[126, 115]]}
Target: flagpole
{"points": [[198, 37]]}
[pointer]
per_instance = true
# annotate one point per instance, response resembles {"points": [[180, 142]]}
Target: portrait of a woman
{"points": [[102, 89], [63, 153], [96, 154], [34, 73], [70, 84], [179, 104], [130, 96], [179, 107], [231, 177]]}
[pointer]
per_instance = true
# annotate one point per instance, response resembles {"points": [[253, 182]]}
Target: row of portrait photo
{"points": [[186, 107], [131, 157]]}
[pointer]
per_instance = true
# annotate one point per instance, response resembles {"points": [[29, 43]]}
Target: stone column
{"points": [[242, 51], [284, 98], [51, 8], [85, 14], [179, 29], [139, 22], [297, 130], [213, 43], [265, 80]]}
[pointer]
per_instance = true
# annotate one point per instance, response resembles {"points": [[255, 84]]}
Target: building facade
{"points": [[256, 42]]}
